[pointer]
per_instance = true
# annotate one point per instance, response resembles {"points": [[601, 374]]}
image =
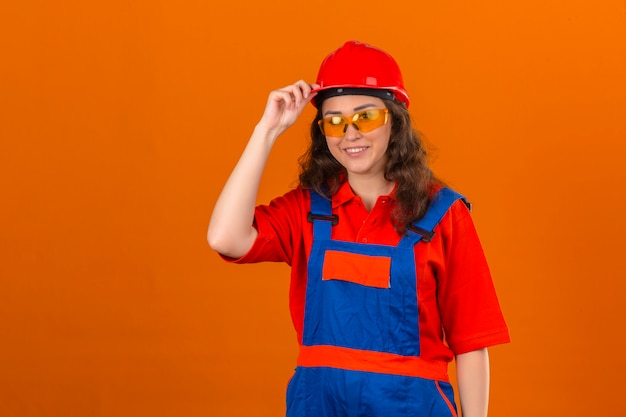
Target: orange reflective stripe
{"points": [[370, 361], [372, 271]]}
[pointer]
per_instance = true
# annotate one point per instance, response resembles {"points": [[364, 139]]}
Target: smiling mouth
{"points": [[355, 150]]}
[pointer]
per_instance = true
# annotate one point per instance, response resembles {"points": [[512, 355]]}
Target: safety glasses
{"points": [[363, 121]]}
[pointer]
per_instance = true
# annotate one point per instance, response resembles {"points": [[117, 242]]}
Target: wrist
{"points": [[265, 135], [270, 133]]}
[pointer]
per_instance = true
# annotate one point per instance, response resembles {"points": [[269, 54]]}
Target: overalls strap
{"points": [[439, 206], [321, 215]]}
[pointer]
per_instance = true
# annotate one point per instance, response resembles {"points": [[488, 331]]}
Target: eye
{"points": [[335, 120], [368, 114]]}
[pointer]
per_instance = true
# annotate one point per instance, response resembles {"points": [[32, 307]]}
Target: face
{"points": [[360, 153]]}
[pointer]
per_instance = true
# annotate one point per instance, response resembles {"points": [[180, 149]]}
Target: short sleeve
{"points": [[469, 307], [279, 224]]}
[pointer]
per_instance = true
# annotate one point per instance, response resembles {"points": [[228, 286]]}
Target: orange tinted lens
{"points": [[369, 120], [333, 126]]}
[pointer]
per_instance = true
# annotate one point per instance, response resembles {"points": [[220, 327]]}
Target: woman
{"points": [[389, 282]]}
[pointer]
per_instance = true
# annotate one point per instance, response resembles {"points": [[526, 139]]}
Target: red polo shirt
{"points": [[456, 296]]}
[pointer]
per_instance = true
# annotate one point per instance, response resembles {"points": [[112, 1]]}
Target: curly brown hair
{"points": [[407, 165]]}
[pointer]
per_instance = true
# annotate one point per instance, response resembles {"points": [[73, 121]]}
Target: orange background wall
{"points": [[120, 121]]}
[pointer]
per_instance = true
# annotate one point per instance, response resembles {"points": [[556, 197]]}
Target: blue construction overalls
{"points": [[360, 352]]}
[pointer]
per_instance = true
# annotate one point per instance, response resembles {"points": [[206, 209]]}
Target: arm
{"points": [[230, 230], [472, 371]]}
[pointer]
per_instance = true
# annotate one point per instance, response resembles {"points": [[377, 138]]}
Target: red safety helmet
{"points": [[356, 66]]}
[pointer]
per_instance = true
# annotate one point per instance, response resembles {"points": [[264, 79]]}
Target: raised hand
{"points": [[285, 105]]}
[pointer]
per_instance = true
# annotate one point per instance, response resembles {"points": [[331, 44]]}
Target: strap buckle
{"points": [[425, 234], [333, 218]]}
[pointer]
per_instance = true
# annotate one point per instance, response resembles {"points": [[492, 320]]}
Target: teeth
{"points": [[355, 150]]}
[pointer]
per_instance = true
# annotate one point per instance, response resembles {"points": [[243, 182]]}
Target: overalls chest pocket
{"points": [[367, 270]]}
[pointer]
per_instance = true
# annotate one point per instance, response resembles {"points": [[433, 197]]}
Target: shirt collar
{"points": [[345, 194]]}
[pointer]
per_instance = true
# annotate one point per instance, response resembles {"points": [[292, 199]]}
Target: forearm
{"points": [[230, 229], [472, 370]]}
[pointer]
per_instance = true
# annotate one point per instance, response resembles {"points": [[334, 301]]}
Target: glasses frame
{"points": [[352, 120]]}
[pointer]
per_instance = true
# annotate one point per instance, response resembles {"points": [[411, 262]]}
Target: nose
{"points": [[351, 131]]}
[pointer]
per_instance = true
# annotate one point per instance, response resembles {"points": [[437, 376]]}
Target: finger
{"points": [[311, 95], [306, 89], [301, 91], [294, 96], [298, 91], [284, 97]]}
